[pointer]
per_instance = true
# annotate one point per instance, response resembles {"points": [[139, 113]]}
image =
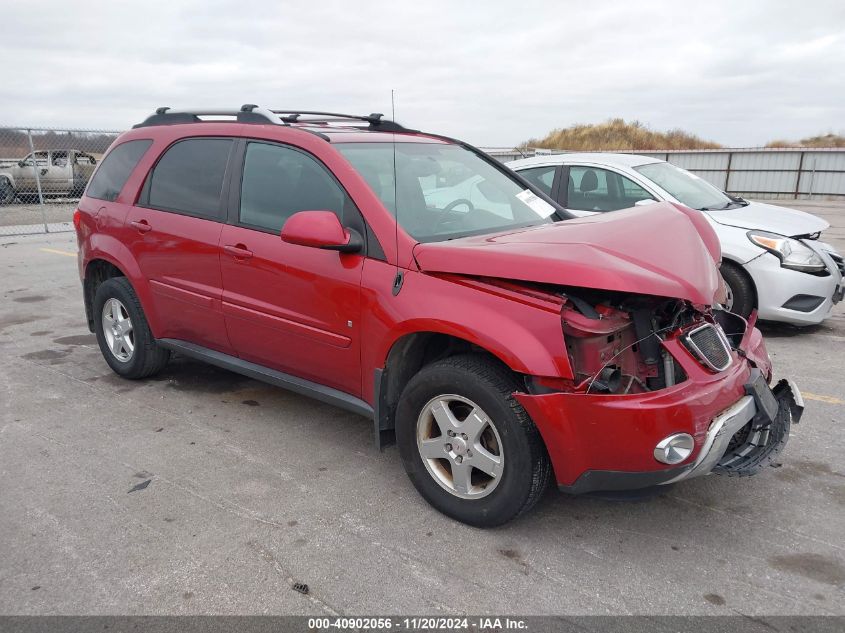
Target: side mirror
{"points": [[320, 229], [21, 163], [644, 203]]}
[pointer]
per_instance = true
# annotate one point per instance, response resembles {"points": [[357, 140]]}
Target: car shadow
{"points": [[773, 329]]}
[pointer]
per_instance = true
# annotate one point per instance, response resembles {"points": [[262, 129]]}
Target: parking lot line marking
{"points": [[827, 399], [56, 251]]}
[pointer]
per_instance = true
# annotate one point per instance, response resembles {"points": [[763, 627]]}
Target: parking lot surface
{"points": [[200, 491]]}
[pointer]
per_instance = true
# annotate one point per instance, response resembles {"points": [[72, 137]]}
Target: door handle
{"points": [[142, 226], [238, 251]]}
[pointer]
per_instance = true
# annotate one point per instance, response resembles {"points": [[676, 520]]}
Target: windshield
{"points": [[685, 187], [445, 191]]}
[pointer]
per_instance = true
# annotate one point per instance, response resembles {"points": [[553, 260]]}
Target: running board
{"points": [[271, 376]]}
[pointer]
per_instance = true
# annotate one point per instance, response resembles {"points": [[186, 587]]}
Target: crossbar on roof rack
{"points": [[375, 120], [247, 113], [251, 113]]}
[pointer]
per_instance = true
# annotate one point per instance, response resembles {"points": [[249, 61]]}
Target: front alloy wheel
{"points": [[460, 446], [468, 446]]}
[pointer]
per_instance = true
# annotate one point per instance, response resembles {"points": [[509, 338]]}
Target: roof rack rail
{"points": [[375, 120], [247, 113]]}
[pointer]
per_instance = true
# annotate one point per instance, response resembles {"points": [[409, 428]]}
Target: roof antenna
{"points": [[397, 281]]}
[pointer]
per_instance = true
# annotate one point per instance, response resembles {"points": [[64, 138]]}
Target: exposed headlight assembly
{"points": [[791, 253]]}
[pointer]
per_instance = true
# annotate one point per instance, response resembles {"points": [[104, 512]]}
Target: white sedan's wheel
{"points": [[741, 296], [729, 297]]}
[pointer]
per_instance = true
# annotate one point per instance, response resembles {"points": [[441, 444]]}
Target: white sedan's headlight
{"points": [[792, 253]]}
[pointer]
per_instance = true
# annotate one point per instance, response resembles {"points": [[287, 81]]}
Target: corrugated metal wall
{"points": [[754, 173]]}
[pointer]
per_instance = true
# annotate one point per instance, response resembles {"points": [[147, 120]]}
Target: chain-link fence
{"points": [[43, 172]]}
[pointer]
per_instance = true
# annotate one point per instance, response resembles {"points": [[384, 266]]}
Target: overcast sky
{"points": [[493, 73]]}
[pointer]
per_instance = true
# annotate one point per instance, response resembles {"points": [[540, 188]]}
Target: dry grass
{"points": [[822, 140], [617, 134]]}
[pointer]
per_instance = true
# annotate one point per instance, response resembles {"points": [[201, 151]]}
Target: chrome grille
{"points": [[709, 346]]}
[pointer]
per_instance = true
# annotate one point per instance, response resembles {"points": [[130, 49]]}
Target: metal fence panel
{"points": [[830, 182], [43, 172], [764, 181], [771, 160], [833, 161], [701, 161]]}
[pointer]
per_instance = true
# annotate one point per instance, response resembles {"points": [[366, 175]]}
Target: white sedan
{"points": [[772, 258]]}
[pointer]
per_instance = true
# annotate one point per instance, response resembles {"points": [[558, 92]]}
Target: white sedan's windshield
{"points": [[444, 191], [685, 187]]}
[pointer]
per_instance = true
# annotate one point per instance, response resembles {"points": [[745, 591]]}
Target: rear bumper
{"points": [[606, 442]]}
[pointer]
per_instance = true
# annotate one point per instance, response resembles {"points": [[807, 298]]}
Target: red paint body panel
{"points": [[180, 258], [619, 432], [526, 339], [611, 251], [332, 318], [288, 307]]}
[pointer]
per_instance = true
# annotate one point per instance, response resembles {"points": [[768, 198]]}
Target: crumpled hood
{"points": [[768, 217], [653, 250]]}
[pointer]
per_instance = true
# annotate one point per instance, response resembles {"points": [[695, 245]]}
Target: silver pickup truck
{"points": [[60, 173]]}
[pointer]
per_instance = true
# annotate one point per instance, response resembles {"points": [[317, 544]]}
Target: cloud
{"points": [[493, 73]]}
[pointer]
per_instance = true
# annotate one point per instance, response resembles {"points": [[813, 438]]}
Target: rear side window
{"points": [[279, 181], [189, 178], [115, 170]]}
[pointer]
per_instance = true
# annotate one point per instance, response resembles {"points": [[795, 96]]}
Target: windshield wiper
{"points": [[728, 205]]}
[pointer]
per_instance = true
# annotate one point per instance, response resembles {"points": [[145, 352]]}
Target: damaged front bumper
{"points": [[746, 437], [603, 442]]}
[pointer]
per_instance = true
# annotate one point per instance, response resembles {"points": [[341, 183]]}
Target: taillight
{"points": [[77, 219]]}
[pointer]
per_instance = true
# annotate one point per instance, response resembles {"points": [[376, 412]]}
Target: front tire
{"points": [[468, 446], [123, 333], [740, 290]]}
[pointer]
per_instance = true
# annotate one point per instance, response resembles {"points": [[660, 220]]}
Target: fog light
{"points": [[674, 449]]}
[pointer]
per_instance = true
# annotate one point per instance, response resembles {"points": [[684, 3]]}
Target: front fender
{"points": [[736, 246], [524, 337]]}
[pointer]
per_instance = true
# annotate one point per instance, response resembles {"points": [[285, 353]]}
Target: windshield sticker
{"points": [[537, 205]]}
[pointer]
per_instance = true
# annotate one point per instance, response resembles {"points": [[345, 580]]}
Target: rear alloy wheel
{"points": [[123, 334], [467, 445], [739, 290], [117, 328]]}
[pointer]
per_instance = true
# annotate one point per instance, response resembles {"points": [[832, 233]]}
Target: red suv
{"points": [[413, 279]]}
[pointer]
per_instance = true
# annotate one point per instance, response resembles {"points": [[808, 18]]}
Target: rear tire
{"points": [[7, 192], [471, 392], [741, 294], [123, 333]]}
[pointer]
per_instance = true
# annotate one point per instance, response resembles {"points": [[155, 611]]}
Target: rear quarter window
{"points": [[116, 168], [189, 178]]}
